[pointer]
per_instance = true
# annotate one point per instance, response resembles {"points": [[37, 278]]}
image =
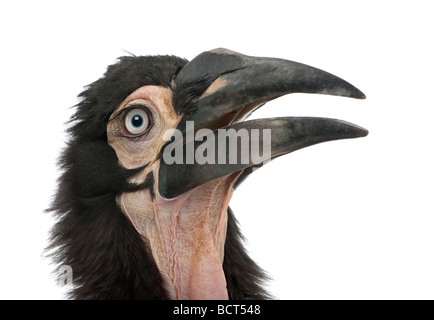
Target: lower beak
{"points": [[216, 91]]}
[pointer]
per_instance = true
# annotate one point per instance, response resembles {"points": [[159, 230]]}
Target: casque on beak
{"points": [[218, 90]]}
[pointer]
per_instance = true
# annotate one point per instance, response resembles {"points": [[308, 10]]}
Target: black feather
{"points": [[186, 95], [121, 79], [243, 276], [149, 184]]}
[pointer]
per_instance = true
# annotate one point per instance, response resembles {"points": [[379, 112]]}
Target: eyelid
{"points": [[126, 109]]}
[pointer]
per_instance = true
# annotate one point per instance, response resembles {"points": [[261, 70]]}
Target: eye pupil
{"points": [[137, 121]]}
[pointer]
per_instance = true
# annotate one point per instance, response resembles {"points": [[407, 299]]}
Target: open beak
{"points": [[217, 91]]}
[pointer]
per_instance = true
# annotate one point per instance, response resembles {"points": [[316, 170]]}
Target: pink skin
{"points": [[186, 234]]}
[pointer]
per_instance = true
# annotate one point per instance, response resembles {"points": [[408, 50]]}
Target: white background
{"points": [[342, 220]]}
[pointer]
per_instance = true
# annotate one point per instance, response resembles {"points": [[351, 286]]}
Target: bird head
{"points": [[158, 145]]}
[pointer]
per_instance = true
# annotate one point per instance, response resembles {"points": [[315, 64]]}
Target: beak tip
{"points": [[355, 93], [364, 132], [360, 131], [361, 95]]}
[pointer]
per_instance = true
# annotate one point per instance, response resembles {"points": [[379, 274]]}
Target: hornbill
{"points": [[135, 222]]}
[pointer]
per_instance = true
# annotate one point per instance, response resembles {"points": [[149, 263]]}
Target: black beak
{"points": [[218, 90]]}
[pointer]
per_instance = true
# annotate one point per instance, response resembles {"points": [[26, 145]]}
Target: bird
{"points": [[153, 157]]}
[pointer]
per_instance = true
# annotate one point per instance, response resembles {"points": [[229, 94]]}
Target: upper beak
{"points": [[220, 88]]}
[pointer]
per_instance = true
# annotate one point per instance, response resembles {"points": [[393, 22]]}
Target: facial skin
{"points": [[186, 234]]}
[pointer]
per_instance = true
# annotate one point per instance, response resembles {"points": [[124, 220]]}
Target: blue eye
{"points": [[136, 121]]}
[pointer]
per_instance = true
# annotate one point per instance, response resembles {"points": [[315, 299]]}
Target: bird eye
{"points": [[136, 121]]}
